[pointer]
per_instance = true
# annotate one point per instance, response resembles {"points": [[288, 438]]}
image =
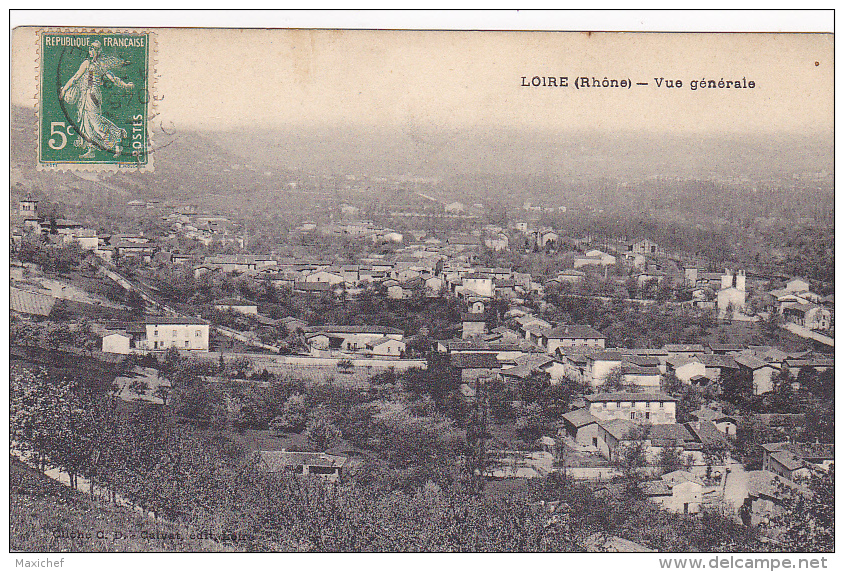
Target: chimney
{"points": [[727, 279], [740, 281]]}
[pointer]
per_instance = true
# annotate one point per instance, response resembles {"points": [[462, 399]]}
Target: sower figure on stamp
{"points": [[83, 91]]}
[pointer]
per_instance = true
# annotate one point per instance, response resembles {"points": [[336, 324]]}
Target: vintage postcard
{"points": [[325, 290]]}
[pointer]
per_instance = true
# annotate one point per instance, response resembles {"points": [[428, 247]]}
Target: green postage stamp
{"points": [[95, 100]]}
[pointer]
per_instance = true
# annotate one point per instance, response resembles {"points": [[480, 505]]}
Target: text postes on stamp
{"points": [[94, 100]]}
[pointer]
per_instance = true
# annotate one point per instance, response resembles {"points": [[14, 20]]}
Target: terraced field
{"points": [[46, 516]]}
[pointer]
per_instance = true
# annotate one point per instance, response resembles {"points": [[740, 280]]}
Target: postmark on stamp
{"points": [[95, 99]]}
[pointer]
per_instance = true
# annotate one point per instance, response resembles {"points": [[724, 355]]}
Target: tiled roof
{"points": [[706, 432], [276, 461], [618, 428], [377, 342], [655, 488], [330, 329], [635, 369], [642, 361], [670, 432], [788, 460], [677, 477], [573, 331], [803, 450], [811, 362], [751, 362], [680, 361], [173, 320], [706, 414], [27, 302], [606, 356], [725, 347], [645, 351], [695, 348], [580, 417], [628, 396], [766, 483], [716, 360], [471, 317], [234, 302], [475, 361], [526, 367]]}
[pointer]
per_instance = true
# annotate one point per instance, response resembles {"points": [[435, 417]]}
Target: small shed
{"points": [[117, 343]]}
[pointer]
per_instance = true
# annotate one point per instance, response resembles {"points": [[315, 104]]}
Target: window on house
{"points": [[187, 343], [198, 333], [632, 415], [661, 404], [155, 333], [647, 415]]}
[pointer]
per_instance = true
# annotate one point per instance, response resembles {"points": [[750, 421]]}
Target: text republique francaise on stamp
{"points": [[94, 101]]}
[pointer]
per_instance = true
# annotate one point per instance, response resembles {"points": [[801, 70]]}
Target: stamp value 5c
{"points": [[94, 100]]}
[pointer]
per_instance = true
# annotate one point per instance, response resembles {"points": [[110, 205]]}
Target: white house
{"points": [[478, 284], [572, 335], [117, 343], [433, 286], [808, 315], [731, 296], [606, 259], [797, 285], [159, 333], [395, 292], [571, 276], [350, 338], [235, 305], [386, 346], [393, 236], [498, 242], [646, 377], [677, 491], [599, 365], [761, 371], [686, 367], [325, 276], [653, 408]]}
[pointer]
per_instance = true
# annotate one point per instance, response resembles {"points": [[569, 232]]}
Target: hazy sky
{"points": [[220, 79]]}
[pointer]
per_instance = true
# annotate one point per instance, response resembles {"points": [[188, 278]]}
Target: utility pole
{"points": [[476, 435]]}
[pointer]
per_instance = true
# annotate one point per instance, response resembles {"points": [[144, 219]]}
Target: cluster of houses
{"points": [[379, 341], [184, 221], [430, 266], [799, 305], [608, 421], [578, 353]]}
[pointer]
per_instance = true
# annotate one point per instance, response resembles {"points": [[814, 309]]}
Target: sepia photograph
{"points": [[321, 289]]}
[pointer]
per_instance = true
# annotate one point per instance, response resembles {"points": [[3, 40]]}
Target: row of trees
{"points": [[52, 258], [54, 334]]}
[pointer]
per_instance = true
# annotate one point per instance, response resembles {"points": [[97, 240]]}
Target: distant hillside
{"points": [[494, 163], [493, 151], [187, 166]]}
